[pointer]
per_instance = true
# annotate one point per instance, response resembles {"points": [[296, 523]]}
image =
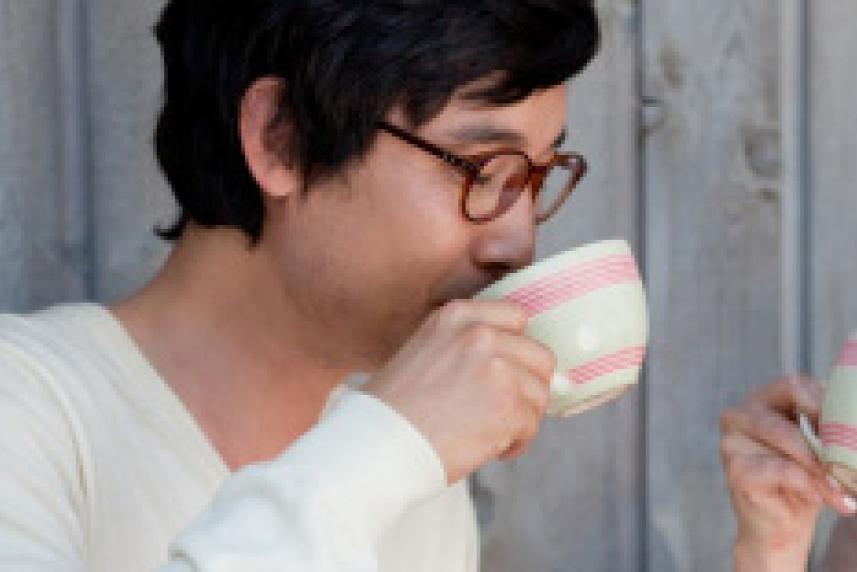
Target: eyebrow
{"points": [[482, 134]]}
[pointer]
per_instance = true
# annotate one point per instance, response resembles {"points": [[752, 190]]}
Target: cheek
{"points": [[371, 260], [420, 233], [416, 208]]}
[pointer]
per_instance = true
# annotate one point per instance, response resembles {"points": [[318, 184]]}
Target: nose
{"points": [[507, 243]]}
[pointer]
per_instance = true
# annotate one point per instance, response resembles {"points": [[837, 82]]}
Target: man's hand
{"points": [[473, 384], [777, 485]]}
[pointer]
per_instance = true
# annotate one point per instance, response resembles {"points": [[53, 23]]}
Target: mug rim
{"points": [[535, 270]]}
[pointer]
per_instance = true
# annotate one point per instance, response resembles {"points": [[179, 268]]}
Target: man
{"points": [[778, 487], [348, 174]]}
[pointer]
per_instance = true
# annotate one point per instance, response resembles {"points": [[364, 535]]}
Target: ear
{"points": [[266, 148]]}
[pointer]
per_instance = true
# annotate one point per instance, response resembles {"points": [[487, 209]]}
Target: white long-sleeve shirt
{"points": [[102, 468]]}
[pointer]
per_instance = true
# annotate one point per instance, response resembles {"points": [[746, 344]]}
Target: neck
{"points": [[218, 327]]}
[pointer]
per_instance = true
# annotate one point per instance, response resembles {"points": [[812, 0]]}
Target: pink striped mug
{"points": [[589, 306], [836, 444]]}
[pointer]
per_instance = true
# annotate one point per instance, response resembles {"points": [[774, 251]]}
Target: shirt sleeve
{"points": [[41, 495], [323, 504]]}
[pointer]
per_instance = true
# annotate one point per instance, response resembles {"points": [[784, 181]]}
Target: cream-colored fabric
{"points": [[103, 469]]}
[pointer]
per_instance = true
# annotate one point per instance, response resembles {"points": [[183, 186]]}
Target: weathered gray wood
{"points": [[129, 193], [573, 501], [834, 172], [39, 263], [833, 140], [794, 74], [713, 238]]}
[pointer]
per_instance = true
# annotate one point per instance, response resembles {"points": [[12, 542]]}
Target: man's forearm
{"points": [[323, 504]]}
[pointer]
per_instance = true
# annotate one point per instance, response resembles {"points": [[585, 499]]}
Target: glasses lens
{"points": [[555, 189], [498, 185]]}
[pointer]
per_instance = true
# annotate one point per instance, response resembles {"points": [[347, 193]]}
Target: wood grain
{"points": [[714, 244], [129, 193], [40, 261]]}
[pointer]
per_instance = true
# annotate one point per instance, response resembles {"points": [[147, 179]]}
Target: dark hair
{"points": [[344, 65]]}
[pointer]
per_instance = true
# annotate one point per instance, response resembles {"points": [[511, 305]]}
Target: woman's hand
{"points": [[776, 483]]}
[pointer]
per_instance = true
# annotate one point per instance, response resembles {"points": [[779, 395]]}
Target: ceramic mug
{"points": [[836, 444], [588, 305]]}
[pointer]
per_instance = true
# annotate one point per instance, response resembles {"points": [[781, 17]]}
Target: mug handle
{"points": [[560, 388], [809, 435], [560, 384]]}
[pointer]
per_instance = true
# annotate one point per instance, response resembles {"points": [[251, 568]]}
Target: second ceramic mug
{"points": [[836, 446], [589, 306]]}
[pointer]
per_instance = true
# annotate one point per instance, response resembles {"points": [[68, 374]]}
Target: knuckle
{"points": [[481, 338]]}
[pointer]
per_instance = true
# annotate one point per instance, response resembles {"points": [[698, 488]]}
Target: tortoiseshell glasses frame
{"points": [[516, 173]]}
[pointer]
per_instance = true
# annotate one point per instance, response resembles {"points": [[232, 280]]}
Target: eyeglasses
{"points": [[494, 181]]}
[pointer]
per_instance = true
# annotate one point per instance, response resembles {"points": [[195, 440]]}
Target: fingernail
{"points": [[850, 503], [834, 484]]}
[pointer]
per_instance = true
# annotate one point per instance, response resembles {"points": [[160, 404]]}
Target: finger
{"points": [[516, 450], [790, 394], [774, 431], [742, 454], [526, 433], [535, 392], [835, 496], [527, 419], [536, 358], [758, 469], [501, 314]]}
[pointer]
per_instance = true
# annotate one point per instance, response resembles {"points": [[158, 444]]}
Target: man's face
{"points": [[368, 254]]}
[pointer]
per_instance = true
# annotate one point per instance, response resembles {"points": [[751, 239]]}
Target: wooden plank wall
{"points": [[834, 179], [130, 196], [685, 118], [39, 247]]}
